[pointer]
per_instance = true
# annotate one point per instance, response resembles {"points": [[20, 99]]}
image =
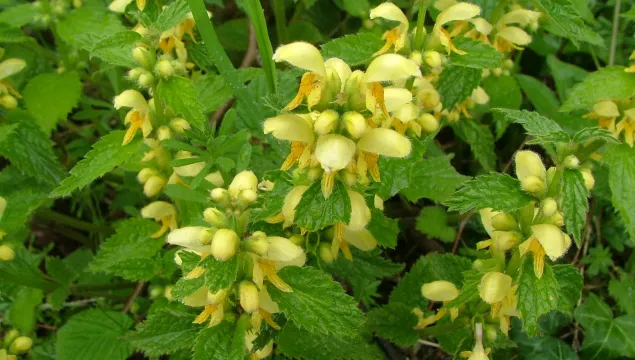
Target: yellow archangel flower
{"points": [[627, 125], [397, 36], [119, 6], [479, 352], [172, 39], [606, 112], [456, 12], [442, 291], [502, 236], [546, 240], [530, 171], [161, 211], [281, 253], [9, 67], [138, 116]]}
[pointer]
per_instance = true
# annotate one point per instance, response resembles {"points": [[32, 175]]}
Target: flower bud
{"points": [[571, 162], [440, 290], [549, 207], [589, 180], [497, 72], [257, 243], [164, 133], [247, 197], [428, 123], [220, 196], [21, 345], [6, 253], [206, 236], [242, 181], [215, 178], [325, 253], [8, 102], [153, 185], [217, 297], [145, 174], [297, 239], [506, 240], [433, 59], [165, 68], [134, 74], [504, 222], [355, 123], [429, 99], [142, 57], [528, 163], [356, 91], [314, 173], [508, 63], [416, 57], [215, 217], [494, 286], [168, 292], [155, 292], [145, 80], [179, 125], [350, 178], [224, 244], [326, 122], [249, 299], [557, 219], [533, 184]]}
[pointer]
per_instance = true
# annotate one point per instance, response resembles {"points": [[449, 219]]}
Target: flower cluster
{"points": [[8, 94], [14, 345], [606, 112]]}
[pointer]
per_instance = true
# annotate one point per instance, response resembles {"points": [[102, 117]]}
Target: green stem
{"points": [[158, 107], [281, 26], [48, 214], [616, 28], [220, 58], [256, 13], [421, 17]]}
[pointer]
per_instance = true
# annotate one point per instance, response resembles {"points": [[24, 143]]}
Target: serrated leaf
{"points": [[544, 347], [544, 130], [356, 8], [106, 154], [89, 19], [481, 142], [456, 84], [23, 270], [503, 92], [433, 178], [131, 252], [497, 191], [564, 20], [314, 212], [221, 342], [94, 334], [6, 130], [539, 94], [180, 192], [383, 229], [23, 196], [117, 48], [180, 94], [593, 134], [30, 150], [622, 291], [394, 322], [172, 15], [220, 274], [607, 83], [621, 160], [575, 203], [433, 221], [185, 287], [18, 15], [166, 331], [317, 303], [565, 75], [570, 286], [395, 175], [479, 55], [536, 297], [354, 49]]}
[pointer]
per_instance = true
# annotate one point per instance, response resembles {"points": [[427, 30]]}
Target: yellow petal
{"points": [[132, 99], [290, 202], [528, 163], [494, 286], [440, 290], [282, 249], [523, 17], [385, 142], [514, 34], [552, 240], [406, 113], [10, 67], [303, 55], [157, 210], [361, 239], [334, 152], [341, 68], [391, 67], [360, 213], [289, 127], [119, 6], [481, 25], [190, 170], [606, 108], [389, 11], [486, 218], [395, 98], [460, 11], [188, 237], [479, 96], [197, 299]]}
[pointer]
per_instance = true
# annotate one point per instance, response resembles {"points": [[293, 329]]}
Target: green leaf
{"points": [[479, 55], [565, 21], [354, 49], [131, 253], [394, 322], [65, 272], [89, 19], [604, 336], [481, 142], [317, 304], [23, 196], [165, 331], [234, 34], [23, 270], [565, 75], [570, 286], [220, 274], [185, 287], [621, 160], [94, 334], [221, 342], [456, 84], [23, 312], [18, 15], [622, 291], [433, 221], [536, 297], [544, 347], [6, 130], [172, 15], [539, 94], [297, 343], [503, 92], [433, 178], [314, 212], [599, 260], [117, 48], [575, 203], [469, 290], [383, 229], [592, 134], [357, 8], [607, 83], [630, 14], [497, 191], [180, 94], [542, 129], [180, 192], [106, 154]]}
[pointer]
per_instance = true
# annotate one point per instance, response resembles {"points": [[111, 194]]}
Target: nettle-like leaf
{"points": [[384, 229], [575, 203], [433, 178], [94, 19], [605, 337], [107, 153], [622, 291], [94, 334], [172, 15], [115, 49], [544, 130], [536, 297], [23, 196], [433, 221], [594, 134], [621, 161], [220, 274], [314, 212], [564, 20], [131, 253], [570, 286], [481, 142], [224, 341], [565, 75], [503, 92], [479, 55], [456, 84], [395, 322], [607, 83], [180, 94], [354, 49], [497, 191], [23, 312], [317, 303], [17, 16]]}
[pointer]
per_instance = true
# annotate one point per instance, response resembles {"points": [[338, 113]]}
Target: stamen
{"points": [[307, 84], [207, 312], [165, 225], [377, 91], [268, 267], [391, 37], [296, 151], [373, 166], [266, 316]]}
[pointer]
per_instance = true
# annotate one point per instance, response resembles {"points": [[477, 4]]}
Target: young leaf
{"points": [[19, 15], [220, 274], [180, 94], [540, 95], [497, 191], [94, 334], [273, 200], [354, 49], [433, 178], [479, 55], [481, 142], [172, 15], [575, 203], [433, 221], [536, 297], [131, 253], [564, 20], [314, 212], [621, 160], [107, 153], [456, 84], [544, 130], [384, 229], [89, 19], [394, 322], [185, 287], [317, 303], [607, 83]]}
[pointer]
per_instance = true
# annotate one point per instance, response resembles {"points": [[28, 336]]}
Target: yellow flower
{"points": [[138, 116], [627, 125], [505, 309], [282, 253], [530, 171], [456, 12], [494, 287], [522, 17], [296, 129], [161, 211], [9, 67], [443, 291], [510, 38], [189, 237], [605, 112], [379, 141], [397, 36], [546, 240], [334, 152], [478, 353], [498, 226]]}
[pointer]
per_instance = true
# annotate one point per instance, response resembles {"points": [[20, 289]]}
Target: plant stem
{"points": [[421, 17], [48, 214], [616, 25], [281, 26], [256, 13]]}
